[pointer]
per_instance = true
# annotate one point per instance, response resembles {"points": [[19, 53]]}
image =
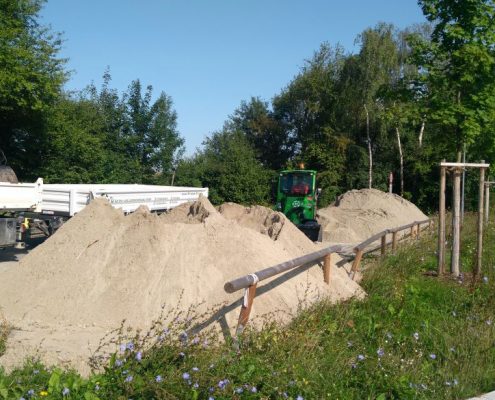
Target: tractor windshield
{"points": [[296, 184]]}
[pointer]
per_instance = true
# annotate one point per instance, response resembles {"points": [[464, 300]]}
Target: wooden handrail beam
{"points": [[248, 280]]}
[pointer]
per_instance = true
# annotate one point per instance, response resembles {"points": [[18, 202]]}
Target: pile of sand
{"points": [[359, 214], [102, 267]]}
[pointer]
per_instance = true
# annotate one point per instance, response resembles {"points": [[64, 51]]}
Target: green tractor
{"points": [[296, 198]]}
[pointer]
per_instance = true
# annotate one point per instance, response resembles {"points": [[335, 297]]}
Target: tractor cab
{"points": [[296, 198]]}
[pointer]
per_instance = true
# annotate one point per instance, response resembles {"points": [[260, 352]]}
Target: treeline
{"points": [[407, 99]]}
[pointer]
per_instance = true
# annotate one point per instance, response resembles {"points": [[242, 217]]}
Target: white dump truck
{"points": [[39, 208]]}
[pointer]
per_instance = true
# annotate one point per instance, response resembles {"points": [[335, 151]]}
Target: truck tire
{"points": [[7, 174]]}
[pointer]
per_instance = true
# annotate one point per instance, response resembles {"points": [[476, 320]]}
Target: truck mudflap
{"points": [[312, 229]]}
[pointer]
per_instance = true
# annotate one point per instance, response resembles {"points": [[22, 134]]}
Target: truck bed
{"points": [[69, 199]]}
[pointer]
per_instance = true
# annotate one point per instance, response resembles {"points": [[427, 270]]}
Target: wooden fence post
{"points": [[247, 304], [441, 223], [327, 268], [418, 231], [394, 241], [383, 248], [356, 262], [456, 229], [480, 221]]}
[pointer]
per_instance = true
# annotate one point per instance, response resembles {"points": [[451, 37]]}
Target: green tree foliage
{"points": [[96, 136], [458, 65], [31, 76], [228, 166]]}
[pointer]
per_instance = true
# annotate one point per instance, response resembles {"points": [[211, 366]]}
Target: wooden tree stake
{"points": [[480, 221], [487, 202], [456, 228], [441, 223]]}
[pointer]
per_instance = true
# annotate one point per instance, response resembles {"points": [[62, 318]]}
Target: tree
{"points": [[228, 166], [150, 134], [457, 67], [264, 132], [363, 79], [31, 77]]}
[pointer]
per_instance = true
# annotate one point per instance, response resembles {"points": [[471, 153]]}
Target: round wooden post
{"points": [[456, 228], [356, 262], [327, 268], [487, 202], [480, 220], [247, 304], [441, 223], [418, 231], [394, 241], [383, 248]]}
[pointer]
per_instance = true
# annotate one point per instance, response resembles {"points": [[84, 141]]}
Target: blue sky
{"points": [[209, 55]]}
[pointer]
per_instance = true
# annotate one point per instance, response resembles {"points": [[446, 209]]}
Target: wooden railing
{"points": [[364, 247], [250, 282]]}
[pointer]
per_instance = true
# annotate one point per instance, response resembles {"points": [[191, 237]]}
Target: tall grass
{"points": [[414, 336]]}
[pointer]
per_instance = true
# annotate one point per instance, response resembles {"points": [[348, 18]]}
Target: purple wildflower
{"points": [[118, 363], [195, 340], [254, 390], [158, 378], [65, 392], [416, 335], [122, 348], [239, 390], [196, 385], [186, 376], [139, 356], [433, 356], [195, 369], [128, 378], [183, 337], [299, 397], [30, 392], [360, 357], [380, 352], [130, 346]]}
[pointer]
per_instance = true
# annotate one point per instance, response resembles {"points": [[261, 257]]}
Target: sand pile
{"points": [[102, 267], [359, 214]]}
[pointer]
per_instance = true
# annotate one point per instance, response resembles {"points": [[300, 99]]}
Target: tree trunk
{"points": [[421, 131], [401, 163], [370, 155]]}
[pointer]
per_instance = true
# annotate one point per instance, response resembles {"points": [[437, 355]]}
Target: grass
{"points": [[414, 336]]}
